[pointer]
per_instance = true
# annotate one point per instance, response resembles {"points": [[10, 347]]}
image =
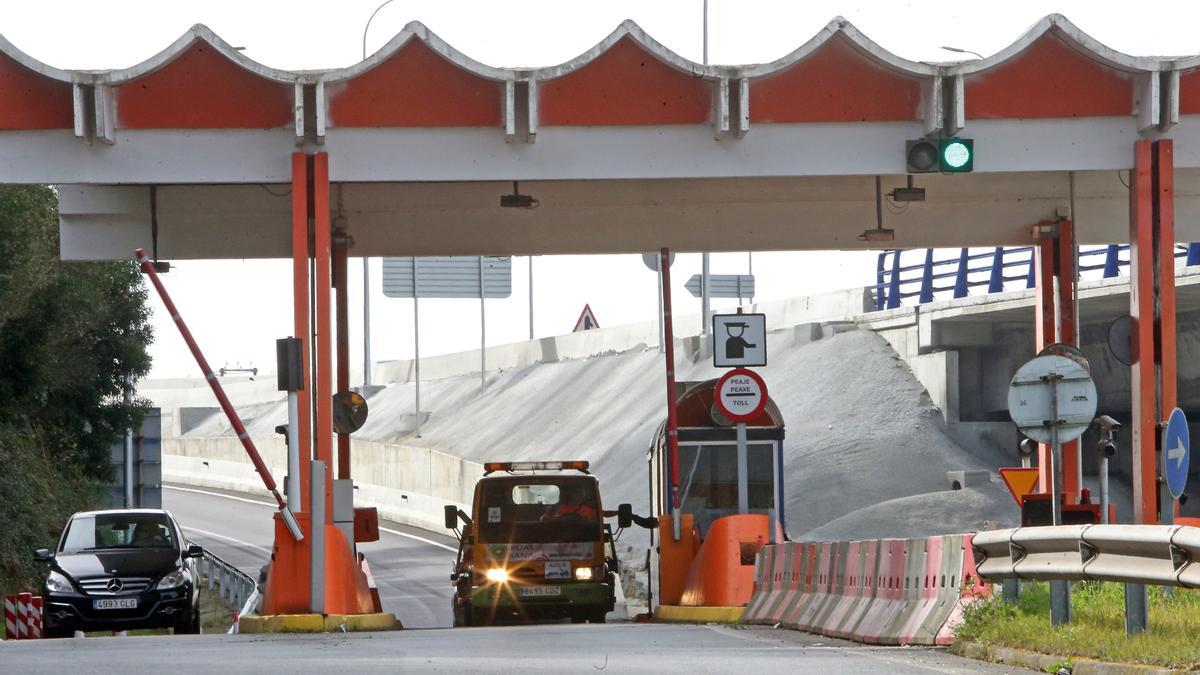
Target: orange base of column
{"points": [[287, 587]]}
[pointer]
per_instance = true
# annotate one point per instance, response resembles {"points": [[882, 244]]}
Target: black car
{"points": [[120, 570]]}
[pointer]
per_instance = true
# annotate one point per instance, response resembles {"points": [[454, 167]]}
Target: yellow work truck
{"points": [[535, 546]]}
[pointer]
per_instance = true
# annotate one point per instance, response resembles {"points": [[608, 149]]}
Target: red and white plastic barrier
{"points": [[22, 616], [886, 591]]}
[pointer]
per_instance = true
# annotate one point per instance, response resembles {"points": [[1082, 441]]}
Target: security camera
{"points": [[1107, 448], [1107, 423], [1027, 447]]}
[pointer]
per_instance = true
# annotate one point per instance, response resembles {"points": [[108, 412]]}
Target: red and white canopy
{"points": [[627, 136]]}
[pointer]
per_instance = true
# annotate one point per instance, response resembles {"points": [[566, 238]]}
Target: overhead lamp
{"points": [[516, 200]]}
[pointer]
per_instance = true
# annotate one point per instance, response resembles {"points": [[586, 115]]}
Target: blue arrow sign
{"points": [[1176, 448]]}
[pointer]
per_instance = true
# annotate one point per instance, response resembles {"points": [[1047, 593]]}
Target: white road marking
{"points": [[218, 494], [231, 540], [254, 501], [421, 539]]}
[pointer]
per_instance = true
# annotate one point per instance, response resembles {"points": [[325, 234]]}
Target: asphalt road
{"points": [[411, 566], [557, 648]]}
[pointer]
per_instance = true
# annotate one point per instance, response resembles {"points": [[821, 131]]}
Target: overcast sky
{"points": [[239, 327]]}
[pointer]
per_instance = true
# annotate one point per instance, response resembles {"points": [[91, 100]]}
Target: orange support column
{"points": [[343, 343], [300, 281], [322, 244], [1055, 321], [1043, 323], [1143, 373], [1064, 244], [1163, 180]]}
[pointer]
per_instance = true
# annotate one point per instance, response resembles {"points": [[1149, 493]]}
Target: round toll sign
{"points": [[741, 395]]}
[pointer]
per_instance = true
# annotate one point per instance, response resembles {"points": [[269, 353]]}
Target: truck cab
{"points": [[535, 546]]}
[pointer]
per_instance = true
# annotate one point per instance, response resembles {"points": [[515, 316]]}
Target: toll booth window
{"points": [[709, 480]]}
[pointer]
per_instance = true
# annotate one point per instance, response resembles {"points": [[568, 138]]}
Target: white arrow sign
{"points": [[1177, 453]]}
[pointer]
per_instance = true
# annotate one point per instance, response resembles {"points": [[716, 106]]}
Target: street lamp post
{"points": [[366, 262]]}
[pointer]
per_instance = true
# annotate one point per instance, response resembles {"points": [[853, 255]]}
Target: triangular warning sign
{"points": [[587, 320], [1020, 481]]}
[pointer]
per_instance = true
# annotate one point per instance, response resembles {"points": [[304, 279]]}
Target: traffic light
{"points": [[945, 155]]}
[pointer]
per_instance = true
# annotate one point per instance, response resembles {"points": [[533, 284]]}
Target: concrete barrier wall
{"points": [[406, 484], [884, 591]]}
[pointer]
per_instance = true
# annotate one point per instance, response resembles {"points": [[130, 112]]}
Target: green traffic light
{"points": [[957, 155]]}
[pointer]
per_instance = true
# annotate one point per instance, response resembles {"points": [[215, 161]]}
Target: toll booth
{"points": [[712, 562]]}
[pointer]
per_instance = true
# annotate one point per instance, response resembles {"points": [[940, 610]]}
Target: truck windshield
{"points": [[539, 510], [118, 530]]}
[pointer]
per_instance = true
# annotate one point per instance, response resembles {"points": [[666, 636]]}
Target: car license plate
{"points": [[558, 569], [538, 591], [115, 603]]}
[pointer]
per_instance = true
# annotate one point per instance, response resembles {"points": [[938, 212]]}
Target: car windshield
{"points": [[118, 530], [540, 509]]}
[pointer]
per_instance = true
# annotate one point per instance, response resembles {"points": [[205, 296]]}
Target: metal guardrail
{"points": [[233, 585], [989, 270], [1159, 555]]}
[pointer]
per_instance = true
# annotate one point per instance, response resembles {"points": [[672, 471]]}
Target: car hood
{"points": [[125, 563]]}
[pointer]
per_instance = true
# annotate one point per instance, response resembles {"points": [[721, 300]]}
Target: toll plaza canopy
{"points": [[627, 147]]}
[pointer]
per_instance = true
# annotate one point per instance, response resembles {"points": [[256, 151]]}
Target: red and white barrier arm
{"points": [[236, 422]]}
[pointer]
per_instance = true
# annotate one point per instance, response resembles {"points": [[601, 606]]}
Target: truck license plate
{"points": [[115, 603], [538, 591]]}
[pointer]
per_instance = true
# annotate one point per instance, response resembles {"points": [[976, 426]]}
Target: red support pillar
{"points": [[343, 345], [1055, 320], [300, 281], [1043, 323], [322, 243], [1164, 217], [1066, 276], [1145, 411]]}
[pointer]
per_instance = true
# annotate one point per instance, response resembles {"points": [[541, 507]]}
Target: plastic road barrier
{"points": [[23, 616]]}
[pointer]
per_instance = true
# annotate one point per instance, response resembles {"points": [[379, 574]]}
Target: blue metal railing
{"points": [[897, 281]]}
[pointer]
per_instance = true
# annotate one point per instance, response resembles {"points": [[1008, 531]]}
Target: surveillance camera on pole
{"points": [[1107, 449]]}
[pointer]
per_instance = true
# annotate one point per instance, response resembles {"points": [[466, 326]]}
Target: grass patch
{"points": [[1097, 628]]}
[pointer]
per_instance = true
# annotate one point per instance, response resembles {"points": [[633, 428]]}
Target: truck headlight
{"points": [[497, 574], [57, 583], [173, 580], [583, 574]]}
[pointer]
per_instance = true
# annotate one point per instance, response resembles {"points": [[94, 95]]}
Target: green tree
{"points": [[69, 335]]}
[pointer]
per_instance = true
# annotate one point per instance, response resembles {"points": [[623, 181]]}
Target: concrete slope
{"points": [[861, 430], [967, 510]]}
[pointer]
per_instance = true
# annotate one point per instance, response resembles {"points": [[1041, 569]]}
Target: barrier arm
{"points": [[235, 421]]}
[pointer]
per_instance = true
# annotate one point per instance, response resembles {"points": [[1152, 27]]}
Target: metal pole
{"points": [[672, 423], [1060, 590], [704, 297], [129, 446], [293, 456], [658, 268], [1136, 616], [743, 467], [531, 298], [1103, 488], [417, 346], [316, 587], [366, 321], [750, 270], [482, 332]]}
